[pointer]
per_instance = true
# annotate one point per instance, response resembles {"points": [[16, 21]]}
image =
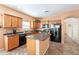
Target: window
{"points": [[45, 26], [26, 25]]}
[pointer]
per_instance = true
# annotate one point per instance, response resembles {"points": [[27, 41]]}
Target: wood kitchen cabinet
{"points": [[31, 47], [37, 46], [16, 41], [10, 21], [14, 21], [7, 21], [19, 22], [11, 42], [36, 24]]}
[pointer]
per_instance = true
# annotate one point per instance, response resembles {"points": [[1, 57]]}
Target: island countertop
{"points": [[37, 44], [39, 36]]}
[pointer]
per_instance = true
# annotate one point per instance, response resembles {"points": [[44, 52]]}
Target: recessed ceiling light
{"points": [[45, 11]]}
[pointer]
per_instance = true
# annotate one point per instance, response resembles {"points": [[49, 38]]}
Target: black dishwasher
{"points": [[22, 39]]}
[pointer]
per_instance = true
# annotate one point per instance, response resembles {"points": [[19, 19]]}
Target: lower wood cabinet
{"points": [[37, 46], [11, 42]]}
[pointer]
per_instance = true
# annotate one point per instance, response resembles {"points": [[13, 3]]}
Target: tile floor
{"points": [[69, 48], [18, 51]]}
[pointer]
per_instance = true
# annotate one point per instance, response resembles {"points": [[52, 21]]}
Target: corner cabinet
{"points": [[10, 21]]}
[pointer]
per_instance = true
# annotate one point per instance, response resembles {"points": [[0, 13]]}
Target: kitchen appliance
{"points": [[55, 32], [14, 31], [22, 39]]}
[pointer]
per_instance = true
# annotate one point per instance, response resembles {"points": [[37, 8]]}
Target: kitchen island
{"points": [[37, 44]]}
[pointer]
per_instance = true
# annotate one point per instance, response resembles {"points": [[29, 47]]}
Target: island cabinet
{"points": [[44, 45], [11, 42], [31, 47], [10, 21], [37, 45]]}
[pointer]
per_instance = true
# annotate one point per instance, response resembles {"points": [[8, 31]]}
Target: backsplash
{"points": [[9, 30]]}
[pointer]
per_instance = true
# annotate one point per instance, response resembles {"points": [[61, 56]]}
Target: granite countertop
{"points": [[40, 36], [11, 34]]}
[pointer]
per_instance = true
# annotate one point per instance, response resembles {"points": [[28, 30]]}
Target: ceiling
{"points": [[42, 10]]}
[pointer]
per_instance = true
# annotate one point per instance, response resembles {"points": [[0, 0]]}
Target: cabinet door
{"points": [[19, 22], [13, 42], [14, 21], [10, 43], [38, 25], [16, 41], [7, 21], [35, 25]]}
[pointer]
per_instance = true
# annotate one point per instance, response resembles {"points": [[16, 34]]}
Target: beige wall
{"points": [[6, 10]]}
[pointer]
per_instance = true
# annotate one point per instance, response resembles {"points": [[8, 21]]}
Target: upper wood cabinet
{"points": [[36, 24], [19, 22], [12, 21], [7, 21]]}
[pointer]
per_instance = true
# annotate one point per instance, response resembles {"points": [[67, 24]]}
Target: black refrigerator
{"points": [[55, 33]]}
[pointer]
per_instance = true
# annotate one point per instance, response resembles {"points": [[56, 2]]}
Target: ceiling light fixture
{"points": [[45, 11]]}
